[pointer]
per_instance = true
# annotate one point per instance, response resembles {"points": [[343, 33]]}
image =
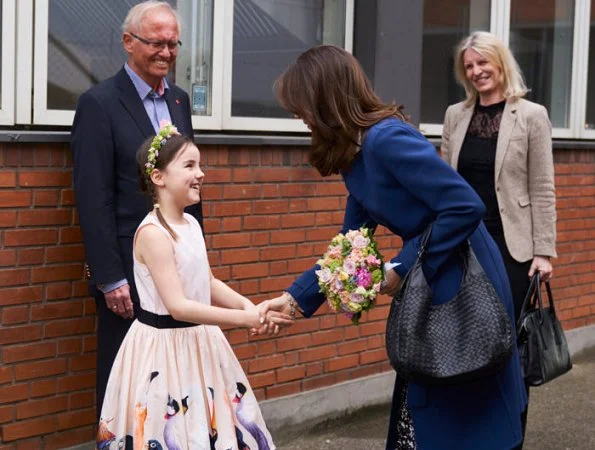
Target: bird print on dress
{"points": [[104, 436], [185, 404], [240, 438], [246, 412], [121, 443], [154, 445], [213, 425], [140, 416], [169, 435]]}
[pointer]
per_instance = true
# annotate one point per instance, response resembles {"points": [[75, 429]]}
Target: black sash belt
{"points": [[160, 321]]}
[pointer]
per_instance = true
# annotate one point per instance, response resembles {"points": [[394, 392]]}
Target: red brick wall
{"points": [[268, 217]]}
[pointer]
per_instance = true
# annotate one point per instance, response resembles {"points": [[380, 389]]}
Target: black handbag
{"points": [[467, 338], [540, 337]]}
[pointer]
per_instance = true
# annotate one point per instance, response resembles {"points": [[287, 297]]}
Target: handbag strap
{"points": [[550, 297], [423, 241], [532, 292]]}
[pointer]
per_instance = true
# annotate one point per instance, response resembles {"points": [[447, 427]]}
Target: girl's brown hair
{"points": [[327, 88], [167, 152]]}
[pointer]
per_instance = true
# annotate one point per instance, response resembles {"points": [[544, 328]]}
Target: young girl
{"points": [[175, 384]]}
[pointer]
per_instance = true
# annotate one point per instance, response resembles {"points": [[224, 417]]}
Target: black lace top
{"points": [[477, 159]]}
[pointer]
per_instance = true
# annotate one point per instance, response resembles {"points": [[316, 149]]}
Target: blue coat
{"points": [[398, 180]]}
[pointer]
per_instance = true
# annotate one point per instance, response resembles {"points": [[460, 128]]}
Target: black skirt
{"points": [[401, 433], [518, 273]]}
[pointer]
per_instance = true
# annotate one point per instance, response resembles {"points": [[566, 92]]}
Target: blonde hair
{"points": [[491, 47], [137, 13]]}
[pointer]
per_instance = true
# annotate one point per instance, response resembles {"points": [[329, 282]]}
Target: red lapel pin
{"points": [[177, 101]]}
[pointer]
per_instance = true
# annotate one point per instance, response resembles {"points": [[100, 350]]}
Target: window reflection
{"points": [[268, 35], [445, 24], [0, 54], [541, 38], [85, 47]]}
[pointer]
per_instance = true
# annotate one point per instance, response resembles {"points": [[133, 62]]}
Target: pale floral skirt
{"points": [[179, 388]]}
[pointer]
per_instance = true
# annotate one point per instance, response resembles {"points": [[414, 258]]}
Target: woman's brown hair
{"points": [[167, 152], [327, 88]]}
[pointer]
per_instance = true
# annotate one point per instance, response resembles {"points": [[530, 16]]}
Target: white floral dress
{"points": [[176, 385]]}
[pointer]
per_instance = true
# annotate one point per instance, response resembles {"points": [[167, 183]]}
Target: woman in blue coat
{"points": [[395, 178]]}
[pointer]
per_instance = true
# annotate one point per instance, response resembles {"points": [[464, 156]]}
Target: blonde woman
{"points": [[501, 144]]}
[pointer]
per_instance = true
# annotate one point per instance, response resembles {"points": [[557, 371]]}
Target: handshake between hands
{"points": [[274, 314]]}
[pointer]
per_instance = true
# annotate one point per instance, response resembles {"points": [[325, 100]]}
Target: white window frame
{"points": [[213, 122], [581, 60], [7, 75], [220, 118], [24, 61], [500, 25]]}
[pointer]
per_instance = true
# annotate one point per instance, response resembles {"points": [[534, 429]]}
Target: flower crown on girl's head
{"points": [[166, 130]]}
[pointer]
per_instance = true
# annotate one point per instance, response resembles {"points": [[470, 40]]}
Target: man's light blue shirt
{"points": [[154, 102]]}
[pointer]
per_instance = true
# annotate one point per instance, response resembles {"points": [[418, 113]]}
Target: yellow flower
{"points": [[355, 307], [343, 276]]}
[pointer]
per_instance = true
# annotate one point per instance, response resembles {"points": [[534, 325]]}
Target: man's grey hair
{"points": [[137, 13]]}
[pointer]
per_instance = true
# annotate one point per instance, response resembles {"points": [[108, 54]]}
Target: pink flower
{"points": [[357, 298], [164, 123], [334, 252], [363, 278], [351, 235], [324, 275], [344, 295], [372, 260], [356, 254], [360, 241], [349, 266]]}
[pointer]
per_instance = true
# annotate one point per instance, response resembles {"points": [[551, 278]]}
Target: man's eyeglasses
{"points": [[159, 45]]}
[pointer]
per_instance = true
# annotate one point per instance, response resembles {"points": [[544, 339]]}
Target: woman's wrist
{"points": [[293, 305]]}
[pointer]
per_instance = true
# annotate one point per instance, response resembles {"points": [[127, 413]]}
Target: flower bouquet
{"points": [[351, 272]]}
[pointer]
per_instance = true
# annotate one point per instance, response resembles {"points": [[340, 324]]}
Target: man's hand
{"points": [[119, 302]]}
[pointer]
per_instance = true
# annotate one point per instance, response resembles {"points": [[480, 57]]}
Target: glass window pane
{"points": [[268, 35], [541, 38], [85, 47], [1, 54], [590, 119], [445, 24]]}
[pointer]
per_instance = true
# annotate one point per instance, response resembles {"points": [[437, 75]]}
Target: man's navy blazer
{"points": [[109, 126]]}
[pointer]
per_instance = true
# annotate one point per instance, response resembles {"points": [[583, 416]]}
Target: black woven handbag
{"points": [[542, 344], [464, 339]]}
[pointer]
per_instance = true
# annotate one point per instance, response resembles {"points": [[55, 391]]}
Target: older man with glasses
{"points": [[112, 120]]}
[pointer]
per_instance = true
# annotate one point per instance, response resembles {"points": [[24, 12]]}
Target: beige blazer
{"points": [[524, 174]]}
